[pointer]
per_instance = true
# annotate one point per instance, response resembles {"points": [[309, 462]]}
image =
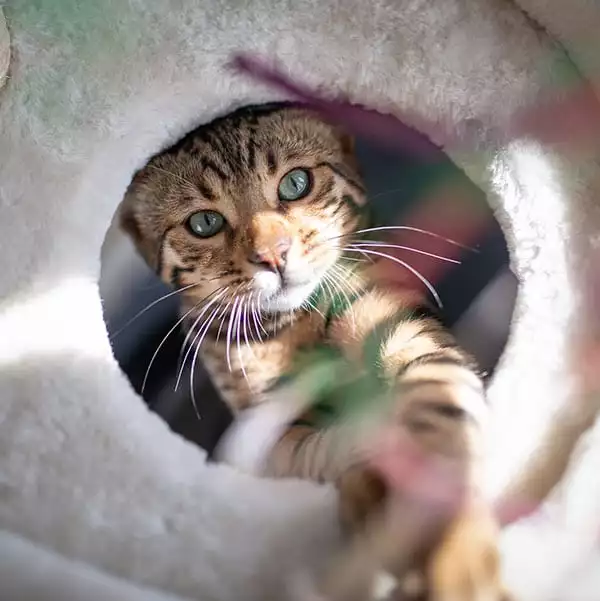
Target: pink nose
{"points": [[274, 258]]}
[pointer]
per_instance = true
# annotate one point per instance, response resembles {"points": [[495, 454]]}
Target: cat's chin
{"points": [[289, 298], [278, 298]]}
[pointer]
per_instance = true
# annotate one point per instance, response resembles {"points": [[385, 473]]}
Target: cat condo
{"points": [[99, 498]]}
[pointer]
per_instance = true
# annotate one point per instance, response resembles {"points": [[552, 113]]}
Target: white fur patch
{"points": [[276, 299]]}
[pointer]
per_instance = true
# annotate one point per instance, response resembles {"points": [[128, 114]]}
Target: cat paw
{"points": [[465, 565], [361, 493]]}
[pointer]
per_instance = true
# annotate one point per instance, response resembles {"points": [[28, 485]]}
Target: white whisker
{"points": [[346, 278], [189, 333], [336, 278], [409, 248], [198, 345], [229, 331], [408, 229], [349, 273], [421, 278], [191, 330], [256, 315], [329, 279], [237, 340], [259, 313], [330, 291], [152, 304], [177, 323], [222, 318], [247, 309], [353, 260], [259, 316], [311, 306], [223, 314], [253, 335]]}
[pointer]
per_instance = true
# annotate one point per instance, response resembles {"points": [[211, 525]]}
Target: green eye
{"points": [[205, 224], [294, 185]]}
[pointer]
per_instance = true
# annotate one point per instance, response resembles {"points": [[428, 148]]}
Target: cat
{"points": [[256, 219]]}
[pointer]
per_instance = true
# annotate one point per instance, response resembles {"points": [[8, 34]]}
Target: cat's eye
{"points": [[294, 185], [205, 224]]}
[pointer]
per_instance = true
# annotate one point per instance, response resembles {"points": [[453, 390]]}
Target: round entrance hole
{"points": [[477, 294]]}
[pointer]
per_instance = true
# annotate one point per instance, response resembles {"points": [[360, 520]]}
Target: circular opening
{"points": [[478, 295]]}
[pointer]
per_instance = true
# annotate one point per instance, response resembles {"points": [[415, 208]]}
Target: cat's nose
{"points": [[274, 257]]}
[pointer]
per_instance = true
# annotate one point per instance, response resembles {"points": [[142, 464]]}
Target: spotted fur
{"points": [[251, 334]]}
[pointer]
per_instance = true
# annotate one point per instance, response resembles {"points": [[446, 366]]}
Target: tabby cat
{"points": [[255, 218]]}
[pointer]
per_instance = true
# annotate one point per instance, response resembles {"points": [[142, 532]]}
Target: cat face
{"points": [[254, 205]]}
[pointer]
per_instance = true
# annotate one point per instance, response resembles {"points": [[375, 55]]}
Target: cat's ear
{"points": [[129, 223], [131, 220]]}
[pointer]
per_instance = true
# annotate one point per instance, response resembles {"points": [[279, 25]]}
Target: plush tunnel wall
{"points": [[87, 473]]}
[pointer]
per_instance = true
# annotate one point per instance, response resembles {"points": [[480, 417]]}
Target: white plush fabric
{"points": [[86, 472], [30, 573], [575, 25], [4, 49]]}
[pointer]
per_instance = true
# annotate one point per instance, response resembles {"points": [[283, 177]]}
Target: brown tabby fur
{"points": [[234, 166]]}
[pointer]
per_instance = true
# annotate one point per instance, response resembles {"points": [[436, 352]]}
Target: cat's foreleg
{"points": [[437, 419]]}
